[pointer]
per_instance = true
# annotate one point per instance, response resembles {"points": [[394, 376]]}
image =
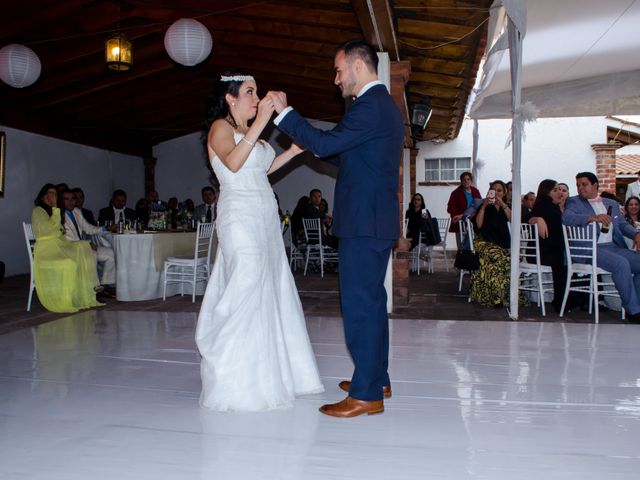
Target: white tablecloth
{"points": [[140, 260]]}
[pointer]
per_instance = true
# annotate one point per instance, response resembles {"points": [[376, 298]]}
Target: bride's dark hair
{"points": [[216, 107]]}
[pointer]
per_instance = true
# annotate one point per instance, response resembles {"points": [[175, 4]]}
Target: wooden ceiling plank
{"points": [[429, 29], [376, 25], [437, 79], [436, 65]]}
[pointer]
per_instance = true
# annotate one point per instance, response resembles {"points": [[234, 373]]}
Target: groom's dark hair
{"points": [[360, 49]]}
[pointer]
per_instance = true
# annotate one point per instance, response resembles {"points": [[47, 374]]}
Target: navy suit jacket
{"points": [[578, 209], [368, 144]]}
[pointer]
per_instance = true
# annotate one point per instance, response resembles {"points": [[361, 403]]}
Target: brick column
{"points": [[149, 173], [399, 77], [606, 165]]}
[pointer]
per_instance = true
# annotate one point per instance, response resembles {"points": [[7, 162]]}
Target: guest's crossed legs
{"points": [[624, 265]]}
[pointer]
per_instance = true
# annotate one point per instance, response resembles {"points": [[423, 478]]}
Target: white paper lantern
{"points": [[19, 65], [188, 42]]}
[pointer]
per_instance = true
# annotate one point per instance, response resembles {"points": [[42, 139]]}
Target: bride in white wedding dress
{"points": [[251, 333]]}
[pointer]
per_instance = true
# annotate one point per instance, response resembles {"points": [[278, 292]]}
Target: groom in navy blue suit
{"points": [[368, 145]]}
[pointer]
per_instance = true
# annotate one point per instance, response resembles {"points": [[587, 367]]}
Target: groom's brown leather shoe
{"points": [[351, 407], [346, 386]]}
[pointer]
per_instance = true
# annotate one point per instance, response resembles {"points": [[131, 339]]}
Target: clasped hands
{"points": [[273, 101], [278, 101]]}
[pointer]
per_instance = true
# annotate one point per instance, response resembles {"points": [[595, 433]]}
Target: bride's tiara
{"points": [[235, 78]]}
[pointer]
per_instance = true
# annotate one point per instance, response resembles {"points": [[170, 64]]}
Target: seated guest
{"points": [[528, 199], [86, 213], [324, 210], [632, 212], [610, 196], [152, 196], [65, 272], [189, 207], [419, 219], [312, 210], [460, 200], [633, 189], [280, 214], [75, 226], [142, 211], [632, 215], [490, 283], [613, 254], [547, 214], [172, 211], [297, 229], [172, 204], [60, 187], [206, 211], [117, 211], [563, 190]]}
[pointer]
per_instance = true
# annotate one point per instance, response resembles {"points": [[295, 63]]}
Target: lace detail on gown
{"points": [[251, 333]]}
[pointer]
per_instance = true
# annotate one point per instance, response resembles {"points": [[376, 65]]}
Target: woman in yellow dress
{"points": [[65, 272]]}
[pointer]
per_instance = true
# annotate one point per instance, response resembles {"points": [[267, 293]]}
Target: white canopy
{"points": [[579, 58]]}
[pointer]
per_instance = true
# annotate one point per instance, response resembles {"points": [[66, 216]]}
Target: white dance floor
{"points": [[114, 395]]}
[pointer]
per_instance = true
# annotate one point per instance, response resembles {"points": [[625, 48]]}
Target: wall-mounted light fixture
{"points": [[420, 116]]}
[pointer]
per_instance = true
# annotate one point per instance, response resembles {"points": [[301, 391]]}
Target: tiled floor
{"points": [[113, 395]]}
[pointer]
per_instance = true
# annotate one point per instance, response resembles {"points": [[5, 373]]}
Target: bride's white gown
{"points": [[251, 332]]}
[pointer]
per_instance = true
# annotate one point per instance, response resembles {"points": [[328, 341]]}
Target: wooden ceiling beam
{"points": [[377, 27], [220, 24], [280, 44], [435, 65], [429, 78], [314, 16], [441, 10], [412, 45], [436, 30]]}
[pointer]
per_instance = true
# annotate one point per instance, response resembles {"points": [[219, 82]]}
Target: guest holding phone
{"points": [[490, 283]]}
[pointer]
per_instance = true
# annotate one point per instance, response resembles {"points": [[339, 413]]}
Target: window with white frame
{"points": [[445, 169]]}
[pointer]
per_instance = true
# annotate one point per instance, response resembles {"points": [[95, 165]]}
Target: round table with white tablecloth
{"points": [[140, 262]]}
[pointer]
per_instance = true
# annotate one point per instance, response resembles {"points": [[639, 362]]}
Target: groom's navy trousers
{"points": [[367, 146], [363, 264]]}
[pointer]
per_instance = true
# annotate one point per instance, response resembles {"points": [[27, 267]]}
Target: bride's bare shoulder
{"points": [[220, 140], [220, 127]]}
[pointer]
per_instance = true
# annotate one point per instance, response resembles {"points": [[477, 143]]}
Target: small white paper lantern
{"points": [[19, 65], [188, 42]]}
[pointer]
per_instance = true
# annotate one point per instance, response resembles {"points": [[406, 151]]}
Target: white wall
{"points": [[33, 160], [556, 148], [181, 169]]}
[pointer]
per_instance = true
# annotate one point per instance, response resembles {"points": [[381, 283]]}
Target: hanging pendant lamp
{"points": [[188, 42], [118, 52], [19, 66]]}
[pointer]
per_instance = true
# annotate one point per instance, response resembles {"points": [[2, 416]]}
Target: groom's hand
{"points": [[279, 100]]}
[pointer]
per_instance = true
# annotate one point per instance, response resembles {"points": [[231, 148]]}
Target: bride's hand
{"points": [[265, 110]]}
